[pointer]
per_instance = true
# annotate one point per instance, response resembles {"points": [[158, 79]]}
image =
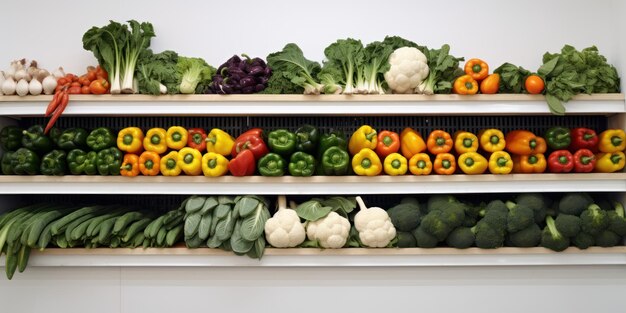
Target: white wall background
{"points": [[497, 31]]}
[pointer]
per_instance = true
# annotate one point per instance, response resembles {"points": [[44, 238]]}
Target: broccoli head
{"points": [[406, 240], [583, 240], [488, 236], [536, 202], [551, 238], [568, 225], [527, 237], [574, 203], [594, 220], [607, 238], [496, 205], [617, 222], [519, 217], [441, 222], [424, 239], [461, 238], [469, 221], [437, 202], [405, 216]]}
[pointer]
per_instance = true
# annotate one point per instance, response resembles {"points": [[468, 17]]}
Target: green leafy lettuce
{"points": [[195, 75], [444, 69], [573, 72], [512, 78], [157, 73], [292, 72]]}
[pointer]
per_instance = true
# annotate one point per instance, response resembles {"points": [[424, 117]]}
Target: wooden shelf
{"points": [[350, 257], [235, 105], [327, 185]]}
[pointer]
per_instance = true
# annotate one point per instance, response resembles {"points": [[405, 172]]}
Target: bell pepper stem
{"points": [[387, 141], [585, 160], [615, 159], [366, 163], [421, 164], [370, 136], [212, 140], [616, 141], [502, 162], [29, 134], [469, 162], [446, 164]]}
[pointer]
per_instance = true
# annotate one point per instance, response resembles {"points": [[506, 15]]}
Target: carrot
{"points": [[53, 103], [63, 103]]}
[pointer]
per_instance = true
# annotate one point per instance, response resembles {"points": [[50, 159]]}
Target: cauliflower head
{"points": [[374, 227], [284, 229], [409, 67], [331, 231]]}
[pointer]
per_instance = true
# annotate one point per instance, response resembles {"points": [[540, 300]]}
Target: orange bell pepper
{"points": [[444, 164], [149, 163], [477, 69], [524, 142], [491, 84], [411, 143], [533, 163], [130, 166], [388, 143], [439, 141], [465, 85]]}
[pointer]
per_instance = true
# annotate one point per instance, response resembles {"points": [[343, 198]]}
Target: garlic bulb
{"points": [[35, 88], [22, 88]]}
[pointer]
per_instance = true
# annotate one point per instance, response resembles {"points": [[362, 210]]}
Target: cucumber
{"points": [[22, 258], [115, 242], [80, 230], [40, 225], [61, 242], [146, 243], [59, 224], [137, 240], [11, 263], [4, 232], [173, 235], [152, 230], [161, 237], [45, 237], [75, 223], [21, 224], [125, 220], [105, 230], [135, 228], [94, 228]]}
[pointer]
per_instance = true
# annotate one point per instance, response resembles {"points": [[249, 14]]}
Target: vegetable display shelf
{"points": [[309, 257], [316, 185], [245, 105]]}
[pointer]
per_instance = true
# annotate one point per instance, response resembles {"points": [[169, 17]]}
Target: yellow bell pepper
{"points": [[612, 140], [362, 138], [610, 162], [130, 140], [420, 164], [169, 164], [190, 161], [214, 164], [220, 142], [155, 140], [500, 162], [472, 163], [395, 164], [176, 137], [492, 140], [366, 163], [465, 142], [411, 143]]}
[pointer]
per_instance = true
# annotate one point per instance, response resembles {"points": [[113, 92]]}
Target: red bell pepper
{"points": [[253, 131], [584, 161], [388, 143], [561, 161], [584, 138], [196, 139], [252, 141], [243, 164]]}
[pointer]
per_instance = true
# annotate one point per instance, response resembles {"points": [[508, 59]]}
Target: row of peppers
{"points": [[306, 152], [578, 150]]}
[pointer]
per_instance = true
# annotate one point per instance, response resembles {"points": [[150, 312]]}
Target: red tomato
{"points": [[75, 84], [74, 90], [85, 90], [61, 81], [92, 75]]}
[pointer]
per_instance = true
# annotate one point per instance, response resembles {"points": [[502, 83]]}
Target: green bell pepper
{"points": [[7, 166], [35, 140], [72, 138], [54, 134], [301, 164], [80, 162], [109, 161], [558, 138], [335, 161], [100, 139], [11, 138], [54, 163], [334, 138], [271, 164], [282, 141], [25, 162], [308, 138]]}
